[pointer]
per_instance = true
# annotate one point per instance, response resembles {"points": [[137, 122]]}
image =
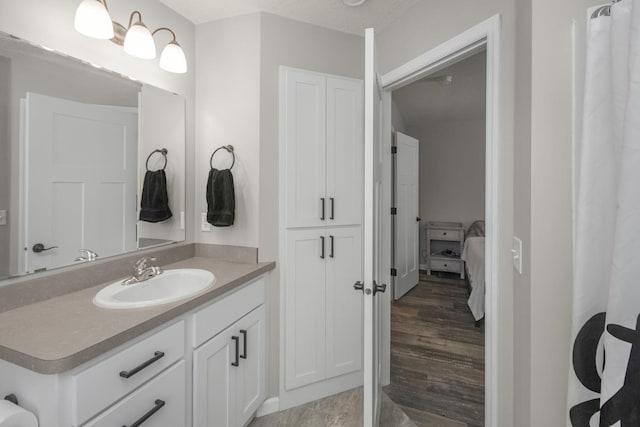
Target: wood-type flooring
{"points": [[437, 355]]}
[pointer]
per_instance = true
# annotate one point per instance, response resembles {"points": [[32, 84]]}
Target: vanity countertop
{"points": [[61, 333]]}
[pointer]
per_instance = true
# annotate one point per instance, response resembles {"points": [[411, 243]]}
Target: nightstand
{"points": [[444, 246]]}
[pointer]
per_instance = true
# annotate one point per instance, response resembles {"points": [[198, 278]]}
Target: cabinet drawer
{"points": [[445, 234], [452, 265], [166, 393], [215, 318], [102, 384]]}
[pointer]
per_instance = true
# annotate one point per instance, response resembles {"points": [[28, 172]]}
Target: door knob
{"points": [[378, 288], [418, 219], [39, 247], [358, 286]]}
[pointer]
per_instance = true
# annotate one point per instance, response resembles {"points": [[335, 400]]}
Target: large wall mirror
{"points": [[89, 160]]}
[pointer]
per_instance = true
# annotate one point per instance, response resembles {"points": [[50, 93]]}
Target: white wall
{"points": [[50, 23], [5, 163], [397, 121], [421, 28], [228, 112], [452, 170], [294, 44]]}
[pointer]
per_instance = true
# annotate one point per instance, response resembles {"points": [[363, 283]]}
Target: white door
{"points": [[252, 379], [305, 316], [344, 306], [372, 217], [81, 180], [214, 381], [407, 227], [304, 127], [344, 151]]}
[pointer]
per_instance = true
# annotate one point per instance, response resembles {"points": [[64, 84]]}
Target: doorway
{"points": [[437, 337], [484, 36]]}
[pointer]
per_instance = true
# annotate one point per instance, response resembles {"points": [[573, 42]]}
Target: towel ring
{"points": [[229, 148], [164, 152]]}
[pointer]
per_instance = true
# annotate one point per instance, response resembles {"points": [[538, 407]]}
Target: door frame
{"points": [[483, 36]]}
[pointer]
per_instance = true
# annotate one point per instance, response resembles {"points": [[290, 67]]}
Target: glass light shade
{"points": [[139, 42], [172, 58], [93, 20]]}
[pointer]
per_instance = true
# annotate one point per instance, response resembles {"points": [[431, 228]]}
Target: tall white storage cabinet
{"points": [[321, 198]]}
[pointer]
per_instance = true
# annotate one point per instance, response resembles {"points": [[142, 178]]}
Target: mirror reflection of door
{"points": [[81, 177], [407, 223]]}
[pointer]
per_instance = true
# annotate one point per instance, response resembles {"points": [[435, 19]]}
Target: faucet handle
{"points": [[89, 255], [141, 264]]}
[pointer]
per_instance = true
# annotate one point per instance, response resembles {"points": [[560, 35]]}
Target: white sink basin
{"points": [[170, 286]]}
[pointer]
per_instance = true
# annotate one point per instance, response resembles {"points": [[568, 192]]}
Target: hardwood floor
{"points": [[437, 355]]}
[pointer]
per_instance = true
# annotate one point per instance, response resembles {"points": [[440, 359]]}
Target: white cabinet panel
{"points": [[214, 382], [252, 381], [305, 311], [303, 126], [343, 303], [162, 399], [344, 151]]}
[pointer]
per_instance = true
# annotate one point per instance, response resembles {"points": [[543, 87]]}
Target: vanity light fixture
{"points": [[353, 3], [93, 20]]}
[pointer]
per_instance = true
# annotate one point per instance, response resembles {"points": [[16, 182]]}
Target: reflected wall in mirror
{"points": [[74, 144]]}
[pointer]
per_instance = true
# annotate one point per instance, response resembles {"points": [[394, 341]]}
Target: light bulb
{"points": [[139, 42], [172, 58], [93, 20]]}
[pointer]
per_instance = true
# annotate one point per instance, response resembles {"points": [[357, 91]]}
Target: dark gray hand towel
{"points": [[154, 206], [221, 199]]}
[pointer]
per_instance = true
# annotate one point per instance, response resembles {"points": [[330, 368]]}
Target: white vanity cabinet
{"points": [[229, 382], [205, 367]]}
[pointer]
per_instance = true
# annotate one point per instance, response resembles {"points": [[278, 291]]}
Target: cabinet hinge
{"points": [[394, 149], [394, 211], [394, 272]]}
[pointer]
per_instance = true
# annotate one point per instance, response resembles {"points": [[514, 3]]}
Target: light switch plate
{"points": [[204, 225], [3, 217], [517, 254]]}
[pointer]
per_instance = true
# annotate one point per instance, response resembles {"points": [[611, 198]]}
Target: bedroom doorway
{"points": [[437, 335]]}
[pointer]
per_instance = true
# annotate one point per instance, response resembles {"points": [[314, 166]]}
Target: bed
{"points": [[473, 256]]}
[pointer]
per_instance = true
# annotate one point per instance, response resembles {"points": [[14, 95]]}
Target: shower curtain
{"points": [[604, 383]]}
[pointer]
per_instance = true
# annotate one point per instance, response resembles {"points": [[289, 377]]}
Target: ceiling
{"points": [[429, 101], [326, 13]]}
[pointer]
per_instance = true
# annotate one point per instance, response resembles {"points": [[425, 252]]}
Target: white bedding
{"points": [[473, 255]]}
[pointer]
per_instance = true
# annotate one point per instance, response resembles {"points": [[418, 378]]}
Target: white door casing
{"points": [[407, 224], [372, 232], [81, 179]]}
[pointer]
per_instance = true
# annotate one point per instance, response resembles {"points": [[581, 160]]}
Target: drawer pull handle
{"points": [[237, 340], [244, 353], [158, 404], [156, 356]]}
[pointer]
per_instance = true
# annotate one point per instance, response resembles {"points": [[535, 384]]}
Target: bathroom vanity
{"points": [[199, 361]]}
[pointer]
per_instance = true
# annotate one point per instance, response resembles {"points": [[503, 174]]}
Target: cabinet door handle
{"points": [[156, 356], [333, 203], [331, 253], [158, 404], [244, 348], [322, 209], [237, 340], [322, 247]]}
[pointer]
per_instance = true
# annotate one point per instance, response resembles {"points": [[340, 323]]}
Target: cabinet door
{"points": [[214, 381], [304, 298], [303, 122], [345, 151], [343, 303], [251, 375]]}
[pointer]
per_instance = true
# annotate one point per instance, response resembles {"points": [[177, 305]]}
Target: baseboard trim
{"points": [[269, 406]]}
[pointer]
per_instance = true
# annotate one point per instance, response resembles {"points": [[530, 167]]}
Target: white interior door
{"points": [[372, 232], [81, 179], [407, 222]]}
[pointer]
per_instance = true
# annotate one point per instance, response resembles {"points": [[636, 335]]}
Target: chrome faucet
{"points": [[87, 255], [141, 272]]}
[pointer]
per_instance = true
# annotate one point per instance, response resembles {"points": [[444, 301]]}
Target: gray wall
{"points": [[452, 170], [5, 163], [300, 45]]}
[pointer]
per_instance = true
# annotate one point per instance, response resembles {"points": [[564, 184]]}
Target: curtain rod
{"points": [[603, 10]]}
